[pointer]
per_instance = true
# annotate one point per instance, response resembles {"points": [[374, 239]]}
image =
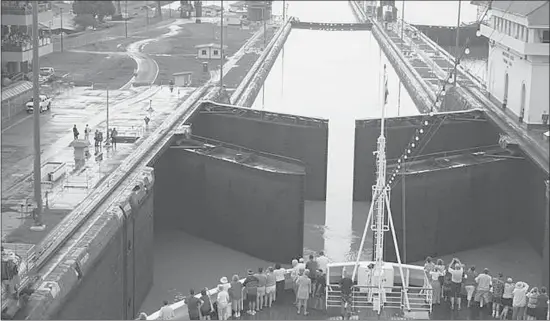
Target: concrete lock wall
{"points": [[452, 207], [452, 135], [306, 143], [112, 275], [243, 208]]}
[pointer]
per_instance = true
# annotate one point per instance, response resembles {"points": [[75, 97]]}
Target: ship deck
{"points": [[285, 310]]}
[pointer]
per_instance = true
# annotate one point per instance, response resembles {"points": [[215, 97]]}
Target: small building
{"points": [[232, 20], [211, 10], [209, 51], [183, 79], [519, 45], [259, 10]]}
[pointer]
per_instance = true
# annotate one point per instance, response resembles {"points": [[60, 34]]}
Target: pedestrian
{"points": [[236, 296], [166, 312], [251, 286], [262, 281], [206, 307], [532, 299], [519, 300], [193, 305], [224, 307], [441, 267], [10, 272], [498, 290], [322, 261], [542, 304], [100, 138], [482, 291], [435, 273], [294, 273], [87, 132], [507, 297], [270, 287], [312, 267], [304, 290], [279, 282], [96, 140], [114, 136], [346, 288], [320, 291], [75, 132], [456, 269], [470, 284], [225, 283]]}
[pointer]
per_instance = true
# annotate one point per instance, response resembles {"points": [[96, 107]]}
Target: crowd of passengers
{"points": [[451, 284], [503, 297]]}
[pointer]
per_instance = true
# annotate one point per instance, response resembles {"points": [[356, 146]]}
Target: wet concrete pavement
{"points": [[79, 106]]}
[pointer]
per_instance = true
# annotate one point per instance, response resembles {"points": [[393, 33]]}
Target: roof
{"points": [[182, 73], [210, 45], [238, 4], [536, 12], [16, 90], [212, 6]]}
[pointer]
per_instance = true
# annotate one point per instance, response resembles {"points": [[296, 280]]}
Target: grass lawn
{"points": [[91, 68], [178, 53]]}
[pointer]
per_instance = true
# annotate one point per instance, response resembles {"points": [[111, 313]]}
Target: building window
{"points": [[545, 36], [203, 52], [216, 52]]}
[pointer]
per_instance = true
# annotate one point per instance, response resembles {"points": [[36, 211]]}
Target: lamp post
{"points": [[36, 105], [107, 136], [126, 19]]}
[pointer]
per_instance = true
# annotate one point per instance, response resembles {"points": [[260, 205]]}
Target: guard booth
{"points": [[183, 79]]}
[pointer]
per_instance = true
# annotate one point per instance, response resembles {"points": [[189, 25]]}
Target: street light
{"points": [[126, 19]]}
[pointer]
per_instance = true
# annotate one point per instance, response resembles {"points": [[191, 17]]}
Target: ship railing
{"points": [[420, 298]]}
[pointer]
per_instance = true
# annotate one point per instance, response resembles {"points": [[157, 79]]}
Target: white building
{"points": [[209, 51], [518, 63], [211, 10]]}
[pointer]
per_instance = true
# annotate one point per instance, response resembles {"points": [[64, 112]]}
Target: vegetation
{"points": [[88, 13]]}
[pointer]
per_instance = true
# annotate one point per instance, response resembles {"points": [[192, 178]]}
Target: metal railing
{"points": [[394, 297]]}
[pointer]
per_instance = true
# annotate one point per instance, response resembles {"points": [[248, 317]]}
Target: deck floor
{"points": [[285, 310]]}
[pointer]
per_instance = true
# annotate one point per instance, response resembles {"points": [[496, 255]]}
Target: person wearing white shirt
{"points": [[435, 273], [166, 312], [484, 283], [279, 281], [224, 308], [519, 300], [457, 271], [323, 262]]}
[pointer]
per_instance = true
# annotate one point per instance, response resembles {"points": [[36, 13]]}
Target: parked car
{"points": [[46, 74], [45, 104]]}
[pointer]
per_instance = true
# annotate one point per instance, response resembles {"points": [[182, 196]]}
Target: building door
{"points": [[523, 97], [505, 98]]}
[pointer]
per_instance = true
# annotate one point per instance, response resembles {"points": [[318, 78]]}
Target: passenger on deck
{"points": [[224, 306], [456, 269], [142, 316], [301, 264], [193, 306], [484, 283], [304, 289], [294, 276], [236, 295], [441, 267], [312, 267], [206, 307], [519, 300], [251, 288], [532, 298], [319, 295], [10, 272], [346, 287], [498, 290], [428, 266], [262, 280], [542, 304], [507, 296], [166, 312], [279, 281], [470, 284], [270, 287], [322, 261], [435, 274]]}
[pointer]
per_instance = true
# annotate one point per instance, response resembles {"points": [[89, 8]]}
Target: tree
{"points": [[98, 9], [85, 20]]}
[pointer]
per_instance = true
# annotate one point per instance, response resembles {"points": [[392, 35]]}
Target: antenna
{"points": [[381, 222]]}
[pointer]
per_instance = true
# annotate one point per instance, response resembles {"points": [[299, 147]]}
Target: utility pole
{"points": [[61, 32], [36, 105], [221, 47], [457, 44], [126, 19]]}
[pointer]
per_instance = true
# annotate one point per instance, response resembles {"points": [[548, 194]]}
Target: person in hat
{"points": [[225, 283], [484, 283], [142, 316], [251, 286], [519, 300], [507, 296], [224, 306], [236, 295]]}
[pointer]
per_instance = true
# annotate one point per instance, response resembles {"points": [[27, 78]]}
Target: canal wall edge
{"points": [[249, 87]]}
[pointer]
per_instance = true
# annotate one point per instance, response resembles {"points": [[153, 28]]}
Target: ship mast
{"points": [[381, 222]]}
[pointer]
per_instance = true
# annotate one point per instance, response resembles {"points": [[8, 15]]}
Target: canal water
{"points": [[333, 75]]}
